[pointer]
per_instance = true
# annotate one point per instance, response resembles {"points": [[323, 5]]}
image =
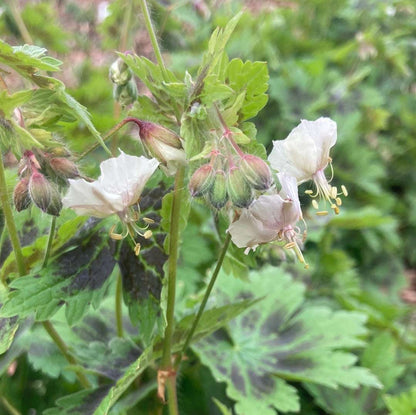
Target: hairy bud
{"points": [[202, 180], [64, 168], [21, 197], [218, 192], [119, 72], [125, 94], [256, 171], [238, 188], [44, 195]]}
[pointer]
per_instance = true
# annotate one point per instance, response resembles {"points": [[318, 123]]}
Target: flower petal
{"points": [[91, 199]]}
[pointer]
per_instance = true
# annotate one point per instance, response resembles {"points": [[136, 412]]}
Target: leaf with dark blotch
{"points": [[280, 338], [77, 277]]}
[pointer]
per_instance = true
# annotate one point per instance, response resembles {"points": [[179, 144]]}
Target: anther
{"points": [[290, 245], [115, 236], [323, 212], [338, 200], [336, 210], [315, 204], [148, 234], [344, 190], [308, 192], [137, 249], [148, 221], [334, 192]]}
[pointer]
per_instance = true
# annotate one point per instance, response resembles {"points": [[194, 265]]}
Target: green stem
{"points": [[126, 26], [65, 351], [11, 226], [153, 38], [17, 16], [10, 408], [170, 308], [206, 296], [118, 306], [50, 241]]}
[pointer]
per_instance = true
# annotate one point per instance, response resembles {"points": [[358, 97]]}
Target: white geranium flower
{"points": [[304, 154], [270, 218], [118, 188]]}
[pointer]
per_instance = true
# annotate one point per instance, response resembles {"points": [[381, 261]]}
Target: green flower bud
{"points": [[125, 94], [256, 171], [238, 188], [217, 194], [64, 168], [119, 72], [44, 195], [21, 197], [202, 180]]}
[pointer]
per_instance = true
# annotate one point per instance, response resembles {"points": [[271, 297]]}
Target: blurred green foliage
{"points": [[351, 60]]}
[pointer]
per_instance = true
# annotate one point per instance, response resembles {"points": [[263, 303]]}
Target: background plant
{"points": [[352, 61]]}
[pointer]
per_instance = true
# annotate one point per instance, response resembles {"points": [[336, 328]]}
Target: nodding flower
{"points": [[117, 191], [304, 154]]}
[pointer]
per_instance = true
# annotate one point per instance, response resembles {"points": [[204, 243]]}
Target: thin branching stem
{"points": [[206, 296], [50, 241], [118, 306]]}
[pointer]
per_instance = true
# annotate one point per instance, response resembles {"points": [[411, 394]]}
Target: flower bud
{"points": [[238, 188], [21, 196], [125, 94], [202, 180], [162, 143], [256, 171], [119, 72], [44, 195], [64, 168], [218, 192]]}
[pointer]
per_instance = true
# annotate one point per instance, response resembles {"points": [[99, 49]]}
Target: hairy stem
{"points": [[17, 16], [50, 241], [10, 408], [153, 38], [206, 296], [118, 306], [170, 309], [11, 226], [65, 351]]}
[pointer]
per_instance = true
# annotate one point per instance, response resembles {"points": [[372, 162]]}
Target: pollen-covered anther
{"points": [[149, 221], [344, 190], [137, 249], [334, 192], [315, 204], [309, 192], [148, 234], [338, 201], [290, 245], [322, 213]]}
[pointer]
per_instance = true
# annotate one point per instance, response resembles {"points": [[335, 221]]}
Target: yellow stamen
{"points": [[137, 249], [290, 245], [322, 213], [308, 192], [338, 200], [334, 192], [115, 236], [315, 204], [147, 234], [336, 210], [344, 190], [148, 221]]}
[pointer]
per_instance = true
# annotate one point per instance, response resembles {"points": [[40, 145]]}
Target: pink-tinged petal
{"points": [[91, 199], [249, 232], [126, 175], [305, 150]]}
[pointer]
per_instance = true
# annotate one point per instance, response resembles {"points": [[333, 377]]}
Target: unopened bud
{"points": [[238, 188], [21, 196], [218, 192], [202, 180], [44, 195], [125, 94], [162, 143], [119, 72], [64, 168], [256, 171]]}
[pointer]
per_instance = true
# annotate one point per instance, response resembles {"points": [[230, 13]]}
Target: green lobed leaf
{"points": [[403, 404], [77, 277], [281, 338]]}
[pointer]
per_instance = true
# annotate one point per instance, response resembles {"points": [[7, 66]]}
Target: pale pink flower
{"points": [[304, 154]]}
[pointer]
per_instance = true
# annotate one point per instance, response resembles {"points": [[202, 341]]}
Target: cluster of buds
{"points": [[39, 172], [125, 89], [230, 175]]}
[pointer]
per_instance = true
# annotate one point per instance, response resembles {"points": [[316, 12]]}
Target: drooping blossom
{"points": [[271, 218], [116, 191], [304, 154]]}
